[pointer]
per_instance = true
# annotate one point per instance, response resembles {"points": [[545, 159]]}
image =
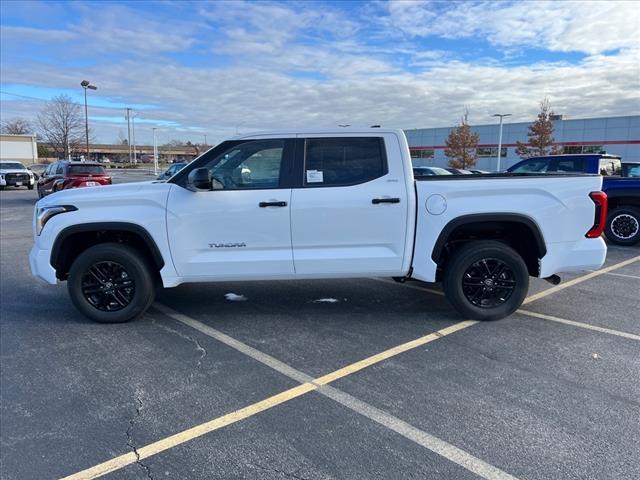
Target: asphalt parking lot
{"points": [[347, 379]]}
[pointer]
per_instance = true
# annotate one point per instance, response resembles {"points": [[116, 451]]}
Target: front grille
{"points": [[16, 177]]}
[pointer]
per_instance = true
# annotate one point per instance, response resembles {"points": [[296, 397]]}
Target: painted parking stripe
{"points": [[624, 275], [169, 442], [577, 280], [579, 324], [436, 445], [308, 384]]}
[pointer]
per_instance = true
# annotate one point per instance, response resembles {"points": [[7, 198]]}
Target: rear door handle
{"points": [[376, 201], [272, 204]]}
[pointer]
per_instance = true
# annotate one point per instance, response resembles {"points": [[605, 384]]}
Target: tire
{"points": [[623, 226], [474, 286], [30, 187], [106, 294]]}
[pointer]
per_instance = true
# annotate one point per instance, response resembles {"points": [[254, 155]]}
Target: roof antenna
{"points": [[374, 126]]}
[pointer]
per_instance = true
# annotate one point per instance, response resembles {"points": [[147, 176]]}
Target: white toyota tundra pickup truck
{"points": [[318, 204]]}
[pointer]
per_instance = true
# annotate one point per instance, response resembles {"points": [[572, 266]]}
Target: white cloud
{"points": [[579, 26], [348, 77]]}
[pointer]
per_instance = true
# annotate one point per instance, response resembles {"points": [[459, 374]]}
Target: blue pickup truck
{"points": [[623, 220]]}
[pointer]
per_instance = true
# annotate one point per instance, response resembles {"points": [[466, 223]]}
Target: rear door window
{"points": [[331, 162], [534, 165], [570, 165]]}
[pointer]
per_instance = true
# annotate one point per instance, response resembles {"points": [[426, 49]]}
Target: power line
{"points": [[80, 104]]}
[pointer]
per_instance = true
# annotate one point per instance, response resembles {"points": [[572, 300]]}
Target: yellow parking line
{"points": [[191, 433], [246, 412], [354, 367], [577, 280]]}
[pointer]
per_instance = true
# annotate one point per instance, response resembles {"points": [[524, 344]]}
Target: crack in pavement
{"points": [[130, 440], [199, 348]]}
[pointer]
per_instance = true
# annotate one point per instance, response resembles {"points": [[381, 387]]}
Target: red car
{"points": [[64, 174]]}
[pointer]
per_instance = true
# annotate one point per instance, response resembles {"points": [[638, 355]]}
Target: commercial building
{"points": [[23, 148], [613, 135]]}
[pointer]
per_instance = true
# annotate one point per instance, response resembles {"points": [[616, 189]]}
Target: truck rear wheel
{"points": [[623, 226], [486, 280], [111, 283]]}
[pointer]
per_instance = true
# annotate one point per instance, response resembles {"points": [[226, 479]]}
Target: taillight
{"points": [[600, 216]]}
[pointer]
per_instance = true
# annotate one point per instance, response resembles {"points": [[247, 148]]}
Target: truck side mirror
{"points": [[199, 179]]}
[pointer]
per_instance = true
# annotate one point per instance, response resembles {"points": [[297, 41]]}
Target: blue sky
{"points": [[195, 68]]}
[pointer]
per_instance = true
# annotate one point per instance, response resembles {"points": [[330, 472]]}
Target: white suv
{"points": [[15, 174]]}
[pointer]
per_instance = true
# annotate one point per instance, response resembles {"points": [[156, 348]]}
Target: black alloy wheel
{"points": [[112, 283], [488, 283], [485, 280], [108, 286]]}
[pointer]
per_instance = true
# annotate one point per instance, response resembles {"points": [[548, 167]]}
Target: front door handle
{"points": [[272, 204], [376, 201]]}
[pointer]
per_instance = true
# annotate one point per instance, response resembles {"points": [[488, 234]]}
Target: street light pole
{"points": [[501, 115], [155, 152], [86, 84]]}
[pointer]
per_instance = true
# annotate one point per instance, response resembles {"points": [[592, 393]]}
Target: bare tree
{"points": [[61, 124], [540, 135], [16, 126], [122, 140], [461, 144]]}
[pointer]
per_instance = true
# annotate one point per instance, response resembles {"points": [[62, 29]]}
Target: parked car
{"points": [[347, 206], [15, 174], [458, 171], [64, 175], [623, 219], [38, 169], [429, 171], [478, 172], [171, 171], [596, 163]]}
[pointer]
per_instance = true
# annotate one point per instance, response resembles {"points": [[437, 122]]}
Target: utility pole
{"points": [[501, 115], [155, 152], [129, 132], [133, 130]]}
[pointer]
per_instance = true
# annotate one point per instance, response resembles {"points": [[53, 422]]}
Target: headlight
{"points": [[46, 213]]}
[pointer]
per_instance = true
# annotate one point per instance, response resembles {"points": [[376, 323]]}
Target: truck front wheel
{"points": [[486, 280], [111, 283], [623, 226]]}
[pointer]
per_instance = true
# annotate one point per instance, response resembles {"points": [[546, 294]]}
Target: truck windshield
{"points": [[12, 166]]}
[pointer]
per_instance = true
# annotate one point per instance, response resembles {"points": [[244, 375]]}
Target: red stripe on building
{"points": [[562, 144]]}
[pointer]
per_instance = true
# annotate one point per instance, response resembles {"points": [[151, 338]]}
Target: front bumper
{"points": [[14, 183], [585, 254], [40, 267]]}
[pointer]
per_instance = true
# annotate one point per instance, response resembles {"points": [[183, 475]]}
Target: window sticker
{"points": [[315, 176]]}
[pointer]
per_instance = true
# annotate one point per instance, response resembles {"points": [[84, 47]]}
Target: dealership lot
{"points": [[318, 379]]}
